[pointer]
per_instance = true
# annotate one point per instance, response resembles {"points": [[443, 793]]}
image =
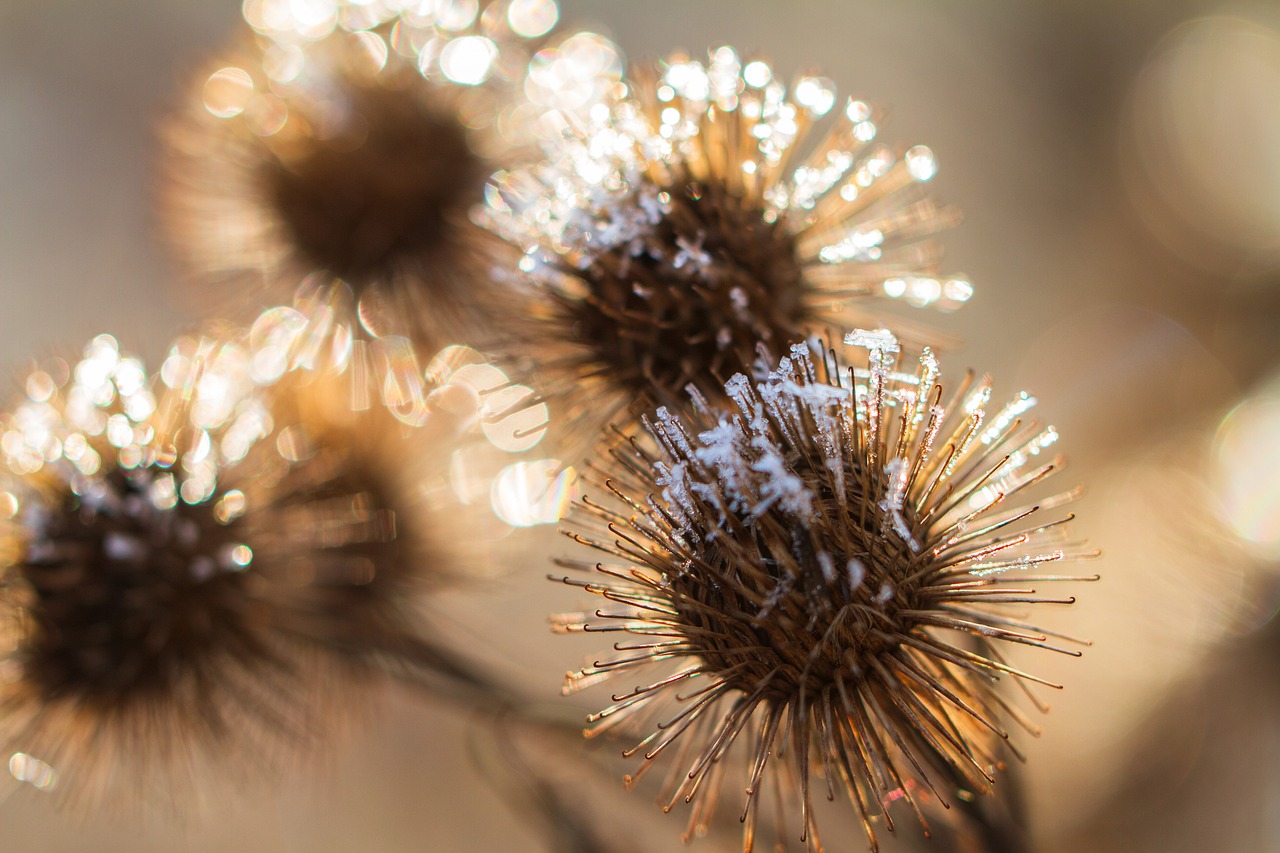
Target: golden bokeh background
{"points": [[1118, 165]]}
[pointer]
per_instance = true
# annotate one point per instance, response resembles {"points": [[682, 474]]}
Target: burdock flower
{"points": [[702, 212], [329, 163], [197, 574], [822, 577]]}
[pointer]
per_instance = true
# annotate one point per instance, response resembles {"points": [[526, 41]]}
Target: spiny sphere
{"points": [[189, 576], [706, 210], [335, 163], [825, 573]]}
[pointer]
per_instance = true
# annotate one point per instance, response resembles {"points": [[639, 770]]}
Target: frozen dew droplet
{"points": [[283, 62], [468, 60], [33, 771], [924, 291], [757, 74], [873, 339], [227, 92], [528, 493], [958, 290], [816, 94], [532, 18], [374, 50], [921, 163], [239, 556], [40, 386], [456, 15]]}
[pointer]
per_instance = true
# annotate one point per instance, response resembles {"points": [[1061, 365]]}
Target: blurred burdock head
{"points": [[703, 211], [332, 160], [198, 572], [827, 573]]}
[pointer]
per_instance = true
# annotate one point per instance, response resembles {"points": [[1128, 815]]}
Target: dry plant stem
{"points": [[995, 824], [528, 791], [443, 675]]}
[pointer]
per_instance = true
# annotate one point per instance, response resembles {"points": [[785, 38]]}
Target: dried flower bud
{"points": [[197, 569], [337, 167], [825, 574], [700, 214]]}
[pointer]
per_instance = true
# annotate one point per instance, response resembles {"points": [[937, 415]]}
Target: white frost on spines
{"points": [[828, 567], [692, 254], [862, 246], [882, 340], [653, 205], [741, 459], [589, 195], [979, 397], [670, 428], [818, 396], [1006, 416], [743, 394], [802, 358], [662, 517], [928, 368], [855, 573], [723, 450], [780, 485], [699, 401], [780, 591], [927, 377], [674, 480], [883, 348], [897, 377], [784, 407], [896, 472], [1018, 563], [937, 413], [1032, 448], [809, 183]]}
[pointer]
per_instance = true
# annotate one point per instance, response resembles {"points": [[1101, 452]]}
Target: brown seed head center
{"points": [[126, 597], [382, 194], [691, 297], [816, 600]]}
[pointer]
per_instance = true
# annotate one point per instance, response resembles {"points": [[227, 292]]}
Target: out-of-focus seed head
{"points": [[201, 576], [704, 211], [329, 168]]}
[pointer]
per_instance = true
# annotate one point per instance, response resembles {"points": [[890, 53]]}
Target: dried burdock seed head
{"points": [[705, 210], [199, 577], [348, 510], [374, 203], [332, 169], [823, 576]]}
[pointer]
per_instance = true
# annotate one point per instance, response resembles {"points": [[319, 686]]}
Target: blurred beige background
{"points": [[1119, 169]]}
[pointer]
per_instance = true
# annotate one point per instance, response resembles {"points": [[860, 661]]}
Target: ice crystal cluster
{"points": [[706, 209], [825, 576], [190, 571], [328, 164]]}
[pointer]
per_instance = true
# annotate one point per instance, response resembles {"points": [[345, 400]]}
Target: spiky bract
{"points": [[702, 213], [823, 576]]}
